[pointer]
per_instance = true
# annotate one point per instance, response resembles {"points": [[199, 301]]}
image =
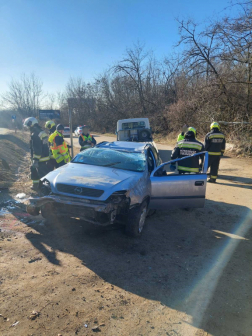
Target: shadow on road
{"points": [[236, 179], [180, 261]]}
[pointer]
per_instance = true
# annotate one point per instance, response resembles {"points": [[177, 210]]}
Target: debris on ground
{"points": [[96, 329], [34, 315], [21, 195], [14, 324]]}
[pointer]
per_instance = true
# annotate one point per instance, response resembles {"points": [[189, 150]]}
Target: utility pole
{"points": [[70, 110]]}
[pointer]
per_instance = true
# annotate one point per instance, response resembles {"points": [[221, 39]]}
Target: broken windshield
{"points": [[112, 158]]}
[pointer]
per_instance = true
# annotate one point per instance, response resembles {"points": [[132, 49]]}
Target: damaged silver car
{"points": [[117, 182]]}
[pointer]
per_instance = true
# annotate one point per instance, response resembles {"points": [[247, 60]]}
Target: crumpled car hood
{"points": [[94, 177]]}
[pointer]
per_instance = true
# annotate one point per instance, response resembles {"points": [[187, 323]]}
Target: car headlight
{"points": [[117, 197], [45, 188]]}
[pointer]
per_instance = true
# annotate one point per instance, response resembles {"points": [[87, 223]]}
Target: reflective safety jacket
{"points": [[51, 131], [60, 151], [215, 142], [83, 141], [187, 147], [181, 136], [39, 144]]}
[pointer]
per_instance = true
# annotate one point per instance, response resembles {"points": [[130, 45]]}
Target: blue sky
{"points": [[57, 39]]}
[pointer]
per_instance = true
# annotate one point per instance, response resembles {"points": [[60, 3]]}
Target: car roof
{"points": [[125, 145]]}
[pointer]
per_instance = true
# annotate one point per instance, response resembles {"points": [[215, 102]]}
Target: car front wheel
{"points": [[136, 220]]}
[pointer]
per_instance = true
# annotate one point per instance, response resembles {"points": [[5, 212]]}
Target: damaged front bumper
{"points": [[96, 212]]}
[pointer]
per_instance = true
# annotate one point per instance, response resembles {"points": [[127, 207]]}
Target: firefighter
{"points": [[50, 125], [39, 151], [181, 136], [215, 144], [59, 147], [188, 147], [86, 140]]}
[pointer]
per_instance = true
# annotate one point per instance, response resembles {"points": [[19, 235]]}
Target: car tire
{"points": [[47, 212], [136, 220]]}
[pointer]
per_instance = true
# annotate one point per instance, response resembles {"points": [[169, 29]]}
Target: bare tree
{"points": [[24, 95]]}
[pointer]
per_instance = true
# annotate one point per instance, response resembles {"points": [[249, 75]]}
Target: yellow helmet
{"points": [[214, 125], [49, 124], [192, 129]]}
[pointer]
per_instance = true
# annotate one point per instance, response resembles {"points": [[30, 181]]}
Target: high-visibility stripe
{"points": [[36, 156], [189, 143], [35, 181], [183, 145], [214, 153], [221, 136], [214, 177], [46, 158], [223, 150], [195, 170]]}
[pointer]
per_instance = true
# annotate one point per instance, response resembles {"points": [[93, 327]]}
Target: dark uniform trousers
{"points": [[42, 170], [213, 163]]}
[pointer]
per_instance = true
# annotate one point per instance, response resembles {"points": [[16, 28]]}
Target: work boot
{"points": [[211, 180]]}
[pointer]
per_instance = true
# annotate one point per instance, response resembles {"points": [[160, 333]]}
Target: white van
{"points": [[134, 129]]}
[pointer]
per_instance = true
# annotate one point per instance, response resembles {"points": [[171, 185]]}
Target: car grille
{"points": [[79, 191]]}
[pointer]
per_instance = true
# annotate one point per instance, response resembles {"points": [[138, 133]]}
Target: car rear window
{"points": [[132, 125], [112, 158], [67, 128]]}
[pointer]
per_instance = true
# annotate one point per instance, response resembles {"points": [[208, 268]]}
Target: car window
{"points": [[66, 128], [182, 166], [112, 158]]}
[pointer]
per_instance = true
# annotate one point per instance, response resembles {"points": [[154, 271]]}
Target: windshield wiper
{"points": [[111, 164]]}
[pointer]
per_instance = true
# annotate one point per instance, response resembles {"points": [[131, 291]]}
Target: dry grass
{"points": [[13, 149]]}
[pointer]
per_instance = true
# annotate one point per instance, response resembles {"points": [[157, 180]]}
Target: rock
{"points": [[8, 239], [73, 289]]}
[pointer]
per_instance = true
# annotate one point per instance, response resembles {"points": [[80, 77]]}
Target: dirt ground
{"points": [[189, 273]]}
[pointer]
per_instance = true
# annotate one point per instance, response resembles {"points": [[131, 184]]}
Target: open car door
{"points": [[174, 190]]}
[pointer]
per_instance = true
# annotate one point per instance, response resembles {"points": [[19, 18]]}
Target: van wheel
{"points": [[136, 220]]}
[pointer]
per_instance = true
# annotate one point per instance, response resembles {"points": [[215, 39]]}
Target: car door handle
{"points": [[199, 183]]}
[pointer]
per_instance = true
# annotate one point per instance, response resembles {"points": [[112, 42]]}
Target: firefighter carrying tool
{"points": [[59, 148], [39, 151], [86, 140], [215, 144], [187, 147]]}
